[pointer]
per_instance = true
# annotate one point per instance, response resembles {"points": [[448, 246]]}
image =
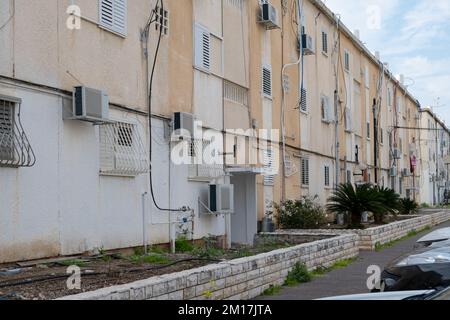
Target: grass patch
{"points": [[152, 259], [183, 245], [74, 262], [344, 263], [380, 247], [273, 290]]}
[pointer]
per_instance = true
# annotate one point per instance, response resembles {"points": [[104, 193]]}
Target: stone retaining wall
{"points": [[239, 279], [387, 233]]}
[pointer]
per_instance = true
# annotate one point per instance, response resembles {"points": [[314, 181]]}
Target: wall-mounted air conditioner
{"points": [[221, 198], [307, 44], [269, 16], [406, 173], [90, 105], [183, 125], [393, 172]]}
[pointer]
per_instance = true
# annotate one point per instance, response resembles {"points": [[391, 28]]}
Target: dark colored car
{"points": [[425, 269]]}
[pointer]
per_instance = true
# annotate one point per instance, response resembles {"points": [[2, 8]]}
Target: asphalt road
{"points": [[349, 280]]}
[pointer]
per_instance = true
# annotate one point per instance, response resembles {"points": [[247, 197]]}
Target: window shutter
{"points": [[305, 171], [303, 100], [347, 60], [269, 177], [202, 48], [113, 15], [324, 42], [327, 176], [267, 81]]}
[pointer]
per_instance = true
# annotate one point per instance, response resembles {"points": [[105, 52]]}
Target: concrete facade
{"points": [[64, 205]]}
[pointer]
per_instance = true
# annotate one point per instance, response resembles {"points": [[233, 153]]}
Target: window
{"points": [[269, 164], [381, 136], [6, 130], [324, 42], [267, 81], [368, 130], [347, 61], [367, 77], [162, 20], [326, 110], [399, 105], [389, 97], [201, 167], [305, 171], [113, 15], [235, 93], [15, 149], [348, 120], [202, 48], [327, 176], [122, 151], [349, 176], [303, 101]]}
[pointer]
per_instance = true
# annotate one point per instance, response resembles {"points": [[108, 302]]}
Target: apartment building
{"points": [[71, 184], [434, 160]]}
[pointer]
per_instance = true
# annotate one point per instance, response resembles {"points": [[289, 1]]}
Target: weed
{"points": [[299, 274], [379, 247], [74, 262], [151, 259], [272, 290], [183, 245]]}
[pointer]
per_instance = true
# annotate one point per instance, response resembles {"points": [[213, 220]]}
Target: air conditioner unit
{"points": [[183, 125], [307, 44], [393, 172], [406, 173], [221, 198], [90, 105], [269, 16]]}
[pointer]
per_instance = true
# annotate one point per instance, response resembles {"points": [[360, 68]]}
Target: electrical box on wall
{"points": [[307, 44]]}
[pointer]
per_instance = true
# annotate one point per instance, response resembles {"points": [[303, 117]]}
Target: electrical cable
{"points": [[150, 91]]}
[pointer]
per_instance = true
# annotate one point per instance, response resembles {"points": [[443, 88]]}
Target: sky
{"points": [[413, 36]]}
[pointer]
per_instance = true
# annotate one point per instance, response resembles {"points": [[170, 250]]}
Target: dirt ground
{"points": [[47, 279]]}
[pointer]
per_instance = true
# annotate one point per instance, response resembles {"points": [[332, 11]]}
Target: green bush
{"points": [[299, 274], [183, 245], [408, 206], [300, 214]]}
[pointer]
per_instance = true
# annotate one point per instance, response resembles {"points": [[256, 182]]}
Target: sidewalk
{"points": [[349, 280]]}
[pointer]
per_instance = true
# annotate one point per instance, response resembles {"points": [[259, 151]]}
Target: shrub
{"points": [[300, 214], [299, 274], [183, 245], [391, 201], [408, 206]]}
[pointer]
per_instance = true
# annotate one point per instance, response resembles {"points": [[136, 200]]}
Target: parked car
{"points": [[428, 267]]}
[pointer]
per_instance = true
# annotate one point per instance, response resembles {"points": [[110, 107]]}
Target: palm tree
{"points": [[354, 201], [408, 206], [391, 203]]}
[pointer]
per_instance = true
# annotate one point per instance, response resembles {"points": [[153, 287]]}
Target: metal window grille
{"points": [[122, 151], [235, 93], [324, 42], [303, 100], [327, 176], [15, 148]]}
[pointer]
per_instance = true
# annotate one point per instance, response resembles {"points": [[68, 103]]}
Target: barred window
{"points": [[122, 151], [327, 176], [6, 130], [15, 148]]}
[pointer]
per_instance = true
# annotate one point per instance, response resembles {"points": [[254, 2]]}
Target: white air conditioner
{"points": [[393, 172], [269, 16], [183, 125], [406, 173], [221, 198], [90, 105], [307, 45]]}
